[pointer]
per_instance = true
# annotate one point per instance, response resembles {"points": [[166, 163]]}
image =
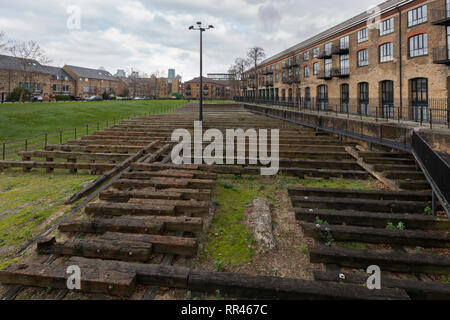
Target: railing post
{"points": [[46, 139], [87, 129], [4, 151], [431, 118], [98, 125], [433, 203], [60, 136], [26, 144]]}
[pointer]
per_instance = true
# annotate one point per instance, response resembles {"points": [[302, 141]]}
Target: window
{"points": [[306, 56], [387, 26], [417, 16], [387, 99], [448, 41], [308, 98], [419, 98], [418, 45], [363, 98], [363, 58], [345, 42], [322, 97], [316, 68], [363, 35], [345, 97], [328, 67], [306, 72], [328, 47], [315, 52], [345, 64], [386, 52]]}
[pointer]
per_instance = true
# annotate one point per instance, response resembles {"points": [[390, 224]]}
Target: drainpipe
{"points": [[400, 57]]}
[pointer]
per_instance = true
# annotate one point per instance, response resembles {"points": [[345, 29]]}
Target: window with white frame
{"points": [[386, 26], [328, 67], [363, 35], [315, 52], [387, 52], [418, 45], [316, 68], [306, 56], [418, 16], [345, 42], [345, 64], [306, 72], [363, 57], [328, 47]]}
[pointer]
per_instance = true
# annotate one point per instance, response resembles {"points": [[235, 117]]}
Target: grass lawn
{"points": [[66, 120], [29, 202], [20, 121]]}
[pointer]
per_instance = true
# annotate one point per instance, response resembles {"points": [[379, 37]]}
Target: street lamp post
{"points": [[201, 29]]}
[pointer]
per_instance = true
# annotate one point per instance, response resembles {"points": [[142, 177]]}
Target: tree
{"points": [[255, 55], [2, 39], [237, 70], [30, 55]]}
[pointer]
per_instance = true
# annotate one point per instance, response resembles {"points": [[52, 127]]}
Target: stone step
{"points": [[373, 154], [373, 219], [93, 280], [164, 183], [413, 184], [359, 204], [361, 194], [412, 238], [186, 174], [387, 260], [181, 206], [393, 167]]}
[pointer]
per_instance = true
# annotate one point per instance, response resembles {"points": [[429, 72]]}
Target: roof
{"points": [[208, 80], [12, 63], [356, 20], [92, 73]]}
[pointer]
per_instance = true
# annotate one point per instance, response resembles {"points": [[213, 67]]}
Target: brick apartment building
{"points": [[212, 89], [148, 87], [42, 80], [399, 67], [92, 82]]}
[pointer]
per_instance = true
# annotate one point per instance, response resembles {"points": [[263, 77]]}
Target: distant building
{"points": [[121, 73], [221, 76], [171, 74], [212, 89]]}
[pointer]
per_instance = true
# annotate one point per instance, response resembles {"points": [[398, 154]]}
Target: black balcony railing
{"points": [[338, 49], [341, 72], [441, 55], [440, 16], [325, 54], [285, 80], [325, 75]]}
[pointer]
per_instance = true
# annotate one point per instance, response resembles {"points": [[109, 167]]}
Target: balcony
{"points": [[325, 54], [296, 79], [341, 72], [296, 62], [268, 71], [325, 75], [269, 83], [285, 80], [338, 50], [441, 55], [440, 17]]}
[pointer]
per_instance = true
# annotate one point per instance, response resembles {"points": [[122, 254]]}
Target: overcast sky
{"points": [[152, 35]]}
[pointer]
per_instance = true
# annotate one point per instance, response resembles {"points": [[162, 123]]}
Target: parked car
{"points": [[95, 98], [38, 99]]}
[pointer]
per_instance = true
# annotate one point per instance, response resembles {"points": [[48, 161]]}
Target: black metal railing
{"points": [[341, 72], [434, 112], [436, 169], [440, 16]]}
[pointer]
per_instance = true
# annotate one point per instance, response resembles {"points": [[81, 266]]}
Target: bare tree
{"points": [[255, 55], [2, 40], [30, 55], [237, 70]]}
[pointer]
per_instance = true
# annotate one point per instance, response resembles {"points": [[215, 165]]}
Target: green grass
{"points": [[19, 121], [27, 200], [229, 242]]}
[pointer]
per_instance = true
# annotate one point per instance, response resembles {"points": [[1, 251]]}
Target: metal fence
{"points": [[436, 169], [433, 112], [10, 149]]}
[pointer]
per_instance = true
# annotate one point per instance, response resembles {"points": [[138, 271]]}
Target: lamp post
{"points": [[201, 29]]}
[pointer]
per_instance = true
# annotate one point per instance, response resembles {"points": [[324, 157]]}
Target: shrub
{"points": [[62, 97], [14, 96]]}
